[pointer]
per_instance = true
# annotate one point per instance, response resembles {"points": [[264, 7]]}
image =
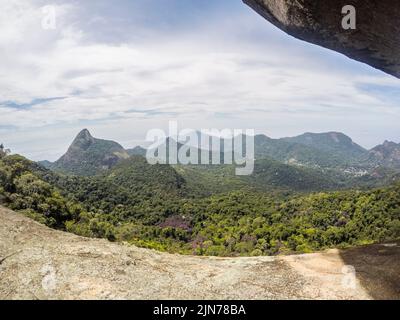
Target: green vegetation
{"points": [[335, 145], [301, 151], [158, 207], [291, 203], [137, 151], [88, 156], [21, 189]]}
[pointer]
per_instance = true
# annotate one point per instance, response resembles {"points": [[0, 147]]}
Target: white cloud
{"points": [[280, 86]]}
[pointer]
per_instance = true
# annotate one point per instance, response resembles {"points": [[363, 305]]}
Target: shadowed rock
{"points": [[375, 40]]}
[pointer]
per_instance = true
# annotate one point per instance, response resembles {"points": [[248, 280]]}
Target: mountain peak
{"points": [[83, 140], [388, 143], [387, 153], [88, 155], [332, 135], [333, 144], [84, 134]]}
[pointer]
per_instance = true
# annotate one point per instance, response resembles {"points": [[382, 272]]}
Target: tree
{"points": [[3, 151]]}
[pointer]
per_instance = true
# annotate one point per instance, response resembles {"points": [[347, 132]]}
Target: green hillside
{"points": [[87, 156], [292, 151], [234, 223], [335, 143], [136, 151]]}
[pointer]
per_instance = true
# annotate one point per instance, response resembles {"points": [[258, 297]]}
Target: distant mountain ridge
{"points": [[137, 151], [322, 151], [387, 154], [333, 142]]}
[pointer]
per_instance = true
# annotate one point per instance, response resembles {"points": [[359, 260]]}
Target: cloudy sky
{"points": [[120, 68]]}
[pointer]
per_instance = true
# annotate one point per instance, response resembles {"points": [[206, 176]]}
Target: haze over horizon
{"points": [[125, 67]]}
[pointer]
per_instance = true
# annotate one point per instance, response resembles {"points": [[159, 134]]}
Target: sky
{"points": [[120, 68]]}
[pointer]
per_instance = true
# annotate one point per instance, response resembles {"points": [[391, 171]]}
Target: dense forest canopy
{"points": [[161, 207]]}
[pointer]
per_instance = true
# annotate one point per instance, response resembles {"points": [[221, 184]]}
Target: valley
{"points": [[100, 190]]}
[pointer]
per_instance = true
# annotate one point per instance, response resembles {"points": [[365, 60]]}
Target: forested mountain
{"points": [[136, 151], [137, 175], [335, 143], [46, 164], [239, 222], [293, 153], [268, 176], [87, 155], [386, 154], [325, 151], [309, 162], [96, 189]]}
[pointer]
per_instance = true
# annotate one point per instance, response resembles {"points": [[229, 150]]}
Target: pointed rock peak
{"points": [[84, 134], [83, 140]]}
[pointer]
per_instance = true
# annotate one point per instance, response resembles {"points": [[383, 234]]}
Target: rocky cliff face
{"points": [[375, 40]]}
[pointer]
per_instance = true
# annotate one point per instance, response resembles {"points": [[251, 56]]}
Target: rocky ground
{"points": [[40, 263]]}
